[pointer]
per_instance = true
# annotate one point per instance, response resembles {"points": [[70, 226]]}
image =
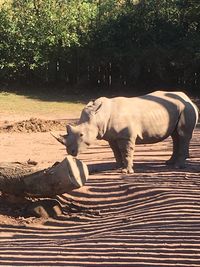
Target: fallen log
{"points": [[22, 180]]}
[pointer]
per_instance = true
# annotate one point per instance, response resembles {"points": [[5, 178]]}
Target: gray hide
{"points": [[124, 122]]}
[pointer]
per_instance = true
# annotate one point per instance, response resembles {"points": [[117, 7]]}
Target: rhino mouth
{"points": [[74, 153]]}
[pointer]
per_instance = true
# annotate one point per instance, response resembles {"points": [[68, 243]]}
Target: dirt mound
{"points": [[34, 125]]}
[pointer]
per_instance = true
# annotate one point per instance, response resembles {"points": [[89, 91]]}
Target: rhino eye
{"points": [[81, 134]]}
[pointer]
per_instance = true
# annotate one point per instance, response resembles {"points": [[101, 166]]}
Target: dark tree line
{"points": [[105, 43]]}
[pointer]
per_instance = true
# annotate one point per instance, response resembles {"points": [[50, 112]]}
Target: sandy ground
{"points": [[150, 218]]}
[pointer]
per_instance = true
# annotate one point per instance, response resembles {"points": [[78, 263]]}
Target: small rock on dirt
{"points": [[47, 208]]}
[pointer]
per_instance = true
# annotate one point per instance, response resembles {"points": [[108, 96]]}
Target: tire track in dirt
{"points": [[150, 218]]}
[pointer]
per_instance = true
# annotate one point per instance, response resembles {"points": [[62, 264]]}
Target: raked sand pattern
{"points": [[150, 218]]}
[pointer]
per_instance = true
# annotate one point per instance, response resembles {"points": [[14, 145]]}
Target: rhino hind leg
{"points": [[183, 152], [174, 156], [180, 151], [181, 140], [185, 127]]}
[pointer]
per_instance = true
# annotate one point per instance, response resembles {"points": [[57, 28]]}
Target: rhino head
{"points": [[91, 126], [77, 138]]}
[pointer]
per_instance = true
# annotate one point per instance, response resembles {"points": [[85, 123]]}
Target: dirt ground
{"points": [[150, 218]]}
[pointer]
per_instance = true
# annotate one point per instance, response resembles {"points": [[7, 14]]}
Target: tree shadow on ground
{"points": [[48, 94]]}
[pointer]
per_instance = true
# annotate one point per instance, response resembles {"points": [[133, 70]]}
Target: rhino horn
{"points": [[61, 139]]}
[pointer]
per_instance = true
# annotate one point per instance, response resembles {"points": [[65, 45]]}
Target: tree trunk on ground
{"points": [[23, 180]]}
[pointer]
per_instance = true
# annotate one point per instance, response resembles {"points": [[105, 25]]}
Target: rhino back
{"points": [[148, 119]]}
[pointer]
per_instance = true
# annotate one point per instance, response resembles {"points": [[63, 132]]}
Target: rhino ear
{"points": [[94, 106], [90, 104], [69, 128], [97, 106]]}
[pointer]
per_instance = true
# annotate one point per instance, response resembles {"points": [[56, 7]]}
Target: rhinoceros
{"points": [[126, 121]]}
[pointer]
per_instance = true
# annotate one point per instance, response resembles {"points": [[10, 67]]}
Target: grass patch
{"points": [[12, 104]]}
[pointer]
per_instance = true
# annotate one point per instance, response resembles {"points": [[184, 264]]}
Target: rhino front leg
{"points": [[126, 148], [117, 153]]}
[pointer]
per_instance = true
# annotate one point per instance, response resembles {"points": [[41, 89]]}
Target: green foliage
{"points": [[135, 42], [36, 33], [154, 42]]}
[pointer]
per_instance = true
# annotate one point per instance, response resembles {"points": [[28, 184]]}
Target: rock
{"points": [[47, 208]]}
